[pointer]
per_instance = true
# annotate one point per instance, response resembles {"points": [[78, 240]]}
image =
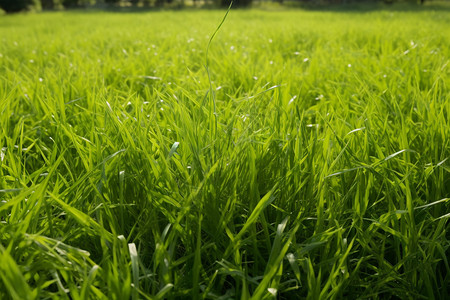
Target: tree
{"points": [[75, 3], [70, 3], [51, 4], [236, 3], [19, 5]]}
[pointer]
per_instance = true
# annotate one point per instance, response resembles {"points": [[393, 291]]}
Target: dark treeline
{"points": [[24, 5]]}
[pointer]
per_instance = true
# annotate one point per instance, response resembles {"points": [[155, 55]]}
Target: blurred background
{"points": [[11, 6]]}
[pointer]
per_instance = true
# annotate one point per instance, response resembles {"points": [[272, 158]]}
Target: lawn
{"points": [[304, 154]]}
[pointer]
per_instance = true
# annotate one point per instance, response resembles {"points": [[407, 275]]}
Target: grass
{"points": [[320, 170]]}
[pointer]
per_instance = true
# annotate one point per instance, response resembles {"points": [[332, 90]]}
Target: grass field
{"points": [[314, 163]]}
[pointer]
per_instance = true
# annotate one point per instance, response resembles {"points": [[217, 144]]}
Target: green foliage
{"points": [[309, 160], [70, 3], [19, 5], [24, 5], [49, 4], [236, 3], [77, 3]]}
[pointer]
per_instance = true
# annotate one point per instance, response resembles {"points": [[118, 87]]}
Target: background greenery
{"points": [[37, 5], [311, 163]]}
